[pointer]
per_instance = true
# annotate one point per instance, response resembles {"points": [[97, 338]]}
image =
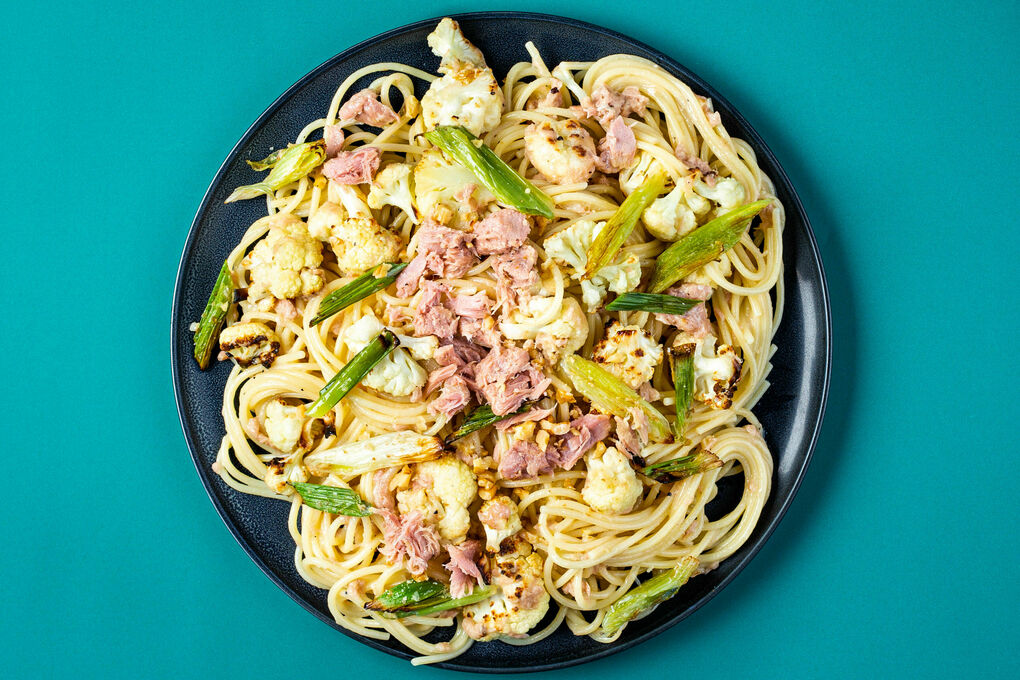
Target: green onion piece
{"points": [[609, 394], [479, 418], [682, 468], [392, 449], [335, 500], [507, 186], [406, 594], [289, 165], [703, 245], [422, 598], [655, 590], [212, 317], [610, 239], [267, 162], [358, 289], [651, 302], [477, 595], [683, 383], [353, 373]]}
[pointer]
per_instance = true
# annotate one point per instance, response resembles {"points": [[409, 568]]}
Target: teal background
{"points": [[895, 121]]}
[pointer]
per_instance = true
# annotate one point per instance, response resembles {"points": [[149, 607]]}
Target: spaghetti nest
{"points": [[586, 542]]}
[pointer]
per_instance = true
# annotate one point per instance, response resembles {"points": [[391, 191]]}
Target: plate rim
{"points": [[779, 177]]}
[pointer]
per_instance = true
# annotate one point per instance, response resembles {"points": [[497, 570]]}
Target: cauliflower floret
{"points": [[500, 519], [720, 268], [629, 353], [468, 96], [669, 217], [250, 343], [360, 243], [442, 490], [284, 264], [519, 605], [570, 247], [644, 166], [716, 373], [611, 485], [284, 424], [563, 152], [728, 193], [449, 44], [397, 374], [282, 471], [437, 182], [557, 330], [392, 186]]}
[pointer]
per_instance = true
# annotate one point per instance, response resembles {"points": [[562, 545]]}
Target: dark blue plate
{"points": [[791, 411]]}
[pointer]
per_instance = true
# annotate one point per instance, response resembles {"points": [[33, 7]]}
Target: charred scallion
{"points": [[336, 500], [506, 185], [652, 302], [353, 373], [611, 238], [212, 317], [703, 245], [358, 289], [654, 591], [288, 165]]}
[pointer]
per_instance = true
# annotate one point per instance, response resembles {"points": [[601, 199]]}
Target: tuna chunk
{"points": [[441, 251], [431, 315], [407, 536], [463, 567], [507, 378], [617, 148], [353, 167], [695, 321], [605, 104], [366, 108], [515, 274], [501, 231]]}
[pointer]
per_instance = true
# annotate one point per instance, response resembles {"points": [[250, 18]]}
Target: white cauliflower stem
{"points": [[442, 490], [392, 186], [611, 485], [628, 352], [360, 243], [284, 264], [397, 374]]}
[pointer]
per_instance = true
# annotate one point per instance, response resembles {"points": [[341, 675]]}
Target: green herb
{"points": [[507, 186], [358, 289], [683, 383], [288, 165], [609, 394], [655, 590], [610, 239], [682, 468], [479, 418], [335, 500], [652, 302], [703, 245], [212, 317], [353, 373]]}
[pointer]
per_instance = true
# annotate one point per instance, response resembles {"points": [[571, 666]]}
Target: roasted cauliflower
{"points": [[611, 485], [628, 352], [360, 243], [251, 342], [285, 263], [441, 490]]}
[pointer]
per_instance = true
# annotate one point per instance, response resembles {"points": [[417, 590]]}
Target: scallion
{"points": [[335, 500], [683, 467], [358, 289], [212, 317], [506, 185], [288, 165], [479, 418], [610, 239], [654, 591], [682, 359], [353, 373], [703, 245], [652, 302]]}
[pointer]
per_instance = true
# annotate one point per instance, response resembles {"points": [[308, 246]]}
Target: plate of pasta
{"points": [[501, 342]]}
